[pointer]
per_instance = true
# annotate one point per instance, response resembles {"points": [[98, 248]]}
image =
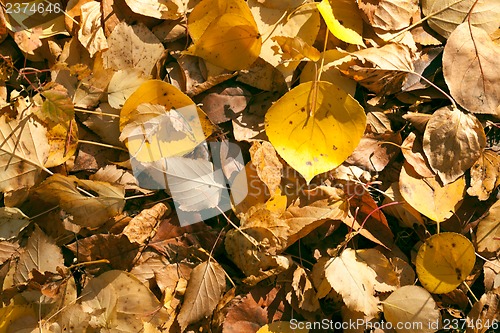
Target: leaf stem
{"points": [[102, 145]]}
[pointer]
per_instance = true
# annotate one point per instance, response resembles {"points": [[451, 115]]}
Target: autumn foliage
{"points": [[249, 166]]}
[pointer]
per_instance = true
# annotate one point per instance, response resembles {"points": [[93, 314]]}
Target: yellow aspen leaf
{"points": [[231, 41], [343, 20], [315, 127], [444, 261], [428, 196], [149, 146]]}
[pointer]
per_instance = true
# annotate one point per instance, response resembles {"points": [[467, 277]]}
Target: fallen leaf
{"points": [[267, 164], [166, 10], [453, 141], [488, 231], [118, 300], [485, 175], [414, 155], [41, 253], [446, 15], [21, 165], [206, 285], [485, 311], [354, 280], [87, 211], [388, 15], [143, 226], [469, 61], [12, 222], [296, 49], [386, 279], [381, 70], [283, 327], [428, 196], [298, 123], [91, 33], [375, 151], [412, 304], [444, 261], [343, 20], [142, 52], [406, 214], [304, 291], [122, 85]]}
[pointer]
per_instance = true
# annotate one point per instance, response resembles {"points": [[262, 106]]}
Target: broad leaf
{"points": [[12, 222], [343, 20], [488, 231], [301, 123]]}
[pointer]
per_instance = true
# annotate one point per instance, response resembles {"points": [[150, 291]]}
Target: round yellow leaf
{"points": [[230, 41], [315, 127], [444, 261], [147, 146], [284, 327]]}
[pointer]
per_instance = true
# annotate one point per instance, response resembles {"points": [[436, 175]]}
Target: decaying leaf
{"points": [[470, 58], [142, 226], [87, 211], [453, 141], [485, 175], [91, 33], [388, 15], [267, 164], [12, 222], [488, 231], [354, 280], [299, 123], [206, 285], [444, 261], [412, 304]]}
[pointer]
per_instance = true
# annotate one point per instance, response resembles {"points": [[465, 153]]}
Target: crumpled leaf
{"points": [[12, 222], [381, 70], [267, 164], [57, 106], [485, 175], [444, 261], [299, 123], [446, 15], [206, 285], [117, 300], [470, 59], [354, 280], [295, 48], [142, 52], [304, 291], [388, 14], [87, 211], [412, 304], [91, 33], [453, 141], [343, 20], [428, 196], [143, 225]]}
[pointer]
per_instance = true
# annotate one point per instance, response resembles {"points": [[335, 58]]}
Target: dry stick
{"points": [[105, 145], [82, 110]]}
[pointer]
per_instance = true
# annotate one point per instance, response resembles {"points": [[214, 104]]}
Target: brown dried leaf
{"points": [[406, 214], [143, 226], [41, 253], [485, 175], [381, 70], [388, 15], [414, 154], [486, 311], [91, 33], [206, 285], [267, 164], [224, 102], [373, 153], [160, 9], [386, 279], [470, 60], [488, 231], [304, 291], [453, 141]]}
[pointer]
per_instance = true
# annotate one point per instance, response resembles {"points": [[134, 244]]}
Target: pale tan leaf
{"points": [[488, 231], [406, 214], [24, 148], [414, 154], [412, 304], [91, 33], [446, 15], [118, 301], [304, 291], [160, 9], [267, 164], [41, 253], [453, 141], [132, 47], [485, 175], [206, 285], [486, 311], [12, 222], [470, 62], [388, 15], [122, 85], [354, 280]]}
